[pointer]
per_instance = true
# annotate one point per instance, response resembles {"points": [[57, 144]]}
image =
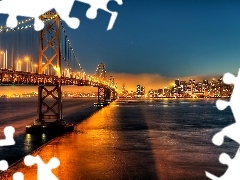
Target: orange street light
{"points": [[27, 65], [19, 62], [35, 65], [57, 69], [4, 60]]}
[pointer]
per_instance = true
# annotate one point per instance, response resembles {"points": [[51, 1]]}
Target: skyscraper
{"points": [[138, 90], [142, 90], [123, 88], [177, 82]]}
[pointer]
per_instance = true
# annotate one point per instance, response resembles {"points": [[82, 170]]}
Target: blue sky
{"points": [[168, 38]]}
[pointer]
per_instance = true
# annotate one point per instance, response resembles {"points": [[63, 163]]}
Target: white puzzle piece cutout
{"points": [[232, 131], [233, 172], [8, 141], [35, 8], [44, 171], [3, 165], [8, 132], [101, 4], [18, 176]]}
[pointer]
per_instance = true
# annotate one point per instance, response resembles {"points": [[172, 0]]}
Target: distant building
{"points": [[142, 90], [205, 81], [189, 89], [177, 82], [151, 93], [183, 85], [138, 92], [123, 88], [167, 92], [160, 92]]}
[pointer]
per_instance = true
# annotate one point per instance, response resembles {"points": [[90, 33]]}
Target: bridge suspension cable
{"points": [[67, 51], [18, 46], [19, 51]]}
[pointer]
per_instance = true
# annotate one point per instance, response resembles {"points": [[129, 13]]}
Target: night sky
{"points": [[168, 37], [161, 39]]}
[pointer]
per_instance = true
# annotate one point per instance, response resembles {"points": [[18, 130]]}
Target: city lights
{"points": [[4, 61], [19, 65], [183, 89], [27, 64], [35, 65]]}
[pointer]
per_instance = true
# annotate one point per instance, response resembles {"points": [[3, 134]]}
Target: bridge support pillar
{"points": [[113, 95], [108, 94], [104, 96], [49, 110], [50, 119]]}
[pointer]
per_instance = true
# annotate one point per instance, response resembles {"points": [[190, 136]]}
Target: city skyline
{"points": [[159, 40], [147, 84], [182, 88]]}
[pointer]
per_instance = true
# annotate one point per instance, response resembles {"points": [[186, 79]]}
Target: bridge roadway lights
{"points": [[101, 104], [49, 113]]}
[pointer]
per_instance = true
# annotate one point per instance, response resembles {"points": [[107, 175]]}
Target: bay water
{"points": [[136, 138]]}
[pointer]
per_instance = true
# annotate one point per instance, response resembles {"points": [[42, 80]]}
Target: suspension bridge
{"points": [[47, 59]]}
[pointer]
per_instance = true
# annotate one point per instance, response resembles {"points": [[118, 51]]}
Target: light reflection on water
{"points": [[157, 139], [145, 140], [180, 133], [27, 143], [44, 138], [19, 112]]}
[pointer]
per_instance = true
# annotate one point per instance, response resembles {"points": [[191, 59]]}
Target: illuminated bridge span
{"points": [[47, 59]]}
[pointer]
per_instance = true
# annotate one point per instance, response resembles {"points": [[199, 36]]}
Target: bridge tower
{"points": [[103, 92], [49, 97], [101, 72], [106, 92], [112, 88], [49, 45]]}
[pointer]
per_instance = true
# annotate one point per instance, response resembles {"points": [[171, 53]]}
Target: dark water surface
{"points": [[18, 112], [136, 139]]}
